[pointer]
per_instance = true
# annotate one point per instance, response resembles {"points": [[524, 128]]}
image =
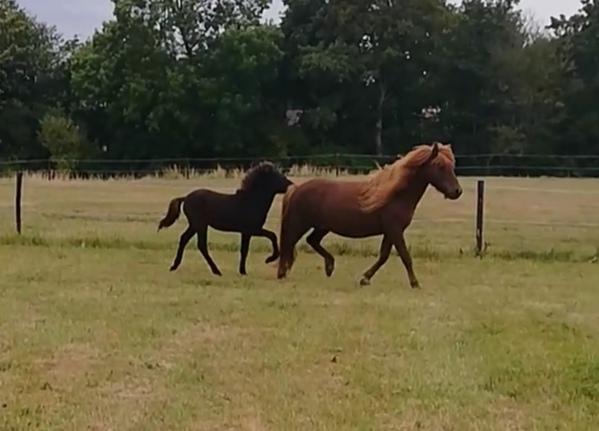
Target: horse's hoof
{"points": [[271, 259], [416, 285], [329, 268], [173, 269], [364, 282]]}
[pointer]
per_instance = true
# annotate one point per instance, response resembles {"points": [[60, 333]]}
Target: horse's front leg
{"points": [[272, 237], [384, 253], [404, 254], [245, 248]]}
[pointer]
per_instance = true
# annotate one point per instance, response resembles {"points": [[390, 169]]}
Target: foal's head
{"points": [[439, 170], [265, 178]]}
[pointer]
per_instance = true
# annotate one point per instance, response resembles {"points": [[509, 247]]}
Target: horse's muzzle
{"points": [[455, 194]]}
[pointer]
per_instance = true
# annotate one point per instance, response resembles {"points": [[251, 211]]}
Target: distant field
{"points": [[523, 216], [96, 334]]}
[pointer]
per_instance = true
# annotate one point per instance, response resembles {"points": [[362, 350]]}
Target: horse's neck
{"points": [[412, 195], [261, 200]]}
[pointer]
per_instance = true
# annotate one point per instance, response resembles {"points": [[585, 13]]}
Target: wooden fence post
{"points": [[18, 195], [480, 208]]}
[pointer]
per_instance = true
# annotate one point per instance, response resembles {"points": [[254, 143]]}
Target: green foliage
{"points": [[29, 59], [578, 38], [205, 78], [63, 140]]}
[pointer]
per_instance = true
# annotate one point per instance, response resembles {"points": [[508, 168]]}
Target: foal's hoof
{"points": [[364, 282], [271, 259], [329, 268], [173, 268], [416, 285]]}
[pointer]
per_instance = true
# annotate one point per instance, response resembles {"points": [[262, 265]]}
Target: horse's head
{"points": [[266, 178], [439, 170]]}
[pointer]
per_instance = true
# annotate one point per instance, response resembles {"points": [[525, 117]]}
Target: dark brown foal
{"points": [[244, 212]]}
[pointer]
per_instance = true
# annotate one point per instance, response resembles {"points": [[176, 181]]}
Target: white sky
{"points": [[82, 17]]}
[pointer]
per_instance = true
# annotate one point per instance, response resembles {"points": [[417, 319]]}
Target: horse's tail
{"points": [[287, 245], [173, 213]]}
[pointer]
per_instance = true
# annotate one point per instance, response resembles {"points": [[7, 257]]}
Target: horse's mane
{"points": [[380, 188], [250, 179]]}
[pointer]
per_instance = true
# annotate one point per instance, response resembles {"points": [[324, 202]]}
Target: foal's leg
{"points": [[314, 240], [384, 253], [245, 247], [183, 240], [203, 247], [272, 237], [402, 249]]}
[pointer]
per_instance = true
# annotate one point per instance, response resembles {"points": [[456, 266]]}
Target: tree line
{"points": [[207, 78]]}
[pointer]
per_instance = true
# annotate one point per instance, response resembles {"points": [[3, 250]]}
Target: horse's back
{"points": [[326, 192], [334, 206], [220, 210]]}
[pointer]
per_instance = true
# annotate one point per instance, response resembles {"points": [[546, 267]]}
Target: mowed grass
{"points": [[95, 333]]}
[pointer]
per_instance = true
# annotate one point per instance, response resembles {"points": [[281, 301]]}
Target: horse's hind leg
{"points": [[183, 240], [314, 240], [272, 237], [384, 253], [291, 233], [203, 247]]}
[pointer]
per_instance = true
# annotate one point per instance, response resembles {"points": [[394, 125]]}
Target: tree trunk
{"points": [[378, 127]]}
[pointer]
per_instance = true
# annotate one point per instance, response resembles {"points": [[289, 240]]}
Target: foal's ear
{"points": [[434, 152]]}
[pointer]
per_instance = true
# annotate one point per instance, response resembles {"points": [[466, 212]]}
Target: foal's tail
{"points": [[173, 213], [287, 246]]}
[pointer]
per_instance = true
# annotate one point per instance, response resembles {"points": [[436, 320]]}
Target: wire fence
{"points": [[533, 218], [529, 165]]}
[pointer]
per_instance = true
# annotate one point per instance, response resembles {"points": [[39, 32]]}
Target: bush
{"points": [[63, 139]]}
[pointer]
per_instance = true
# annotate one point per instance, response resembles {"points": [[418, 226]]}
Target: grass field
{"points": [[96, 334]]}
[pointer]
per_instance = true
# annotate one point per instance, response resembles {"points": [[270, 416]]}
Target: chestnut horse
{"points": [[384, 205], [244, 212]]}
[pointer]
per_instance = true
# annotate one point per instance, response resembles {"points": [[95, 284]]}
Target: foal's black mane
{"points": [[254, 174]]}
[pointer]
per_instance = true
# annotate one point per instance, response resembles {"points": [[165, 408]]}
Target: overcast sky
{"points": [[82, 17]]}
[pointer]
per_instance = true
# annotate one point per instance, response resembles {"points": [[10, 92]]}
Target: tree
{"points": [[242, 70], [372, 52], [154, 80], [480, 79], [119, 80], [578, 39], [29, 56]]}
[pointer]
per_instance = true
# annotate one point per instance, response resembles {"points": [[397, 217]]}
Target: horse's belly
{"points": [[354, 226]]}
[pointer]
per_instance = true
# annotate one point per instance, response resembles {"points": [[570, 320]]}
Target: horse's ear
{"points": [[434, 153]]}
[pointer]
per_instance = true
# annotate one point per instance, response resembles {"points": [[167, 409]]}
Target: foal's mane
{"points": [[254, 174], [380, 188]]}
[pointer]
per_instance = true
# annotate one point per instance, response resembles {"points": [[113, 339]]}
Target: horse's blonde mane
{"points": [[380, 188]]}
